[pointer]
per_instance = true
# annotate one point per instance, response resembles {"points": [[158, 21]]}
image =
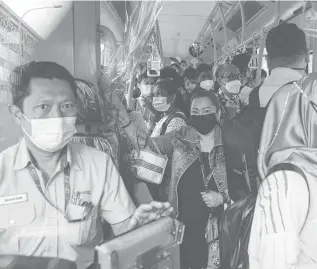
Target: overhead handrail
{"points": [[256, 35], [224, 27]]}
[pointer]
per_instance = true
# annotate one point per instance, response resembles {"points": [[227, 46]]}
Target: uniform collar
{"points": [[23, 157]]}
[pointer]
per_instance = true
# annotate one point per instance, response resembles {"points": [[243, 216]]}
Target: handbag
{"points": [[150, 166]]}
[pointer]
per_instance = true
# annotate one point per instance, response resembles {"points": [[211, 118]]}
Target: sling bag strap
{"points": [[176, 114]]}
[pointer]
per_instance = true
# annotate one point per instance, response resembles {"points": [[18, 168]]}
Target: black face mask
{"points": [[204, 124]]}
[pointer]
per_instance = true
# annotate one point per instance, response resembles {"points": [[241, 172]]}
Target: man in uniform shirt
{"points": [[53, 193]]}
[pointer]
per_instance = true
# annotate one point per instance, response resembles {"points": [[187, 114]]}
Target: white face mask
{"points": [[146, 90], [51, 134], [160, 104], [207, 84], [233, 86]]}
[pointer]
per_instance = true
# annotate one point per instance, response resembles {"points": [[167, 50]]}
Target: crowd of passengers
{"points": [[65, 189]]}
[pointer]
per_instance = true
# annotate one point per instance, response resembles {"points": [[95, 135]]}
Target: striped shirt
{"points": [[276, 240]]}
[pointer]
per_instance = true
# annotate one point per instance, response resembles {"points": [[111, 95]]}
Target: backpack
{"points": [[176, 114], [236, 222], [241, 138]]}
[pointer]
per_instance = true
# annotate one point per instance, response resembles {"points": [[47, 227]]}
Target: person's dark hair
{"points": [[286, 40], [170, 73], [241, 61], [224, 67], [199, 92], [190, 73], [20, 87], [183, 62], [171, 87], [203, 68]]}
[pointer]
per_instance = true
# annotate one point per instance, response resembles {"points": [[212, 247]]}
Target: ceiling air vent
{"points": [[251, 10]]}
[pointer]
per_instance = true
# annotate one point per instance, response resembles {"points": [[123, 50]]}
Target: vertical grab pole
{"points": [[260, 58], [215, 46], [224, 28], [277, 13], [243, 22]]}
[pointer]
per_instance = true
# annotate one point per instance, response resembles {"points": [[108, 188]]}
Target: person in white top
{"points": [[54, 193], [284, 228], [287, 59]]}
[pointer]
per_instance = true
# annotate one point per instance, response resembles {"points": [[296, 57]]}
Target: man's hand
{"points": [[212, 199], [149, 212]]}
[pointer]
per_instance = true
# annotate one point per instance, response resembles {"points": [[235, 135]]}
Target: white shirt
{"points": [[280, 213], [278, 78], [31, 226]]}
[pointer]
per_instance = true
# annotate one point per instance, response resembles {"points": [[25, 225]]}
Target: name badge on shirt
{"points": [[13, 199]]}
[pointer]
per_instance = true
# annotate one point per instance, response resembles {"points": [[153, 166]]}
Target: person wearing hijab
{"points": [[197, 187], [284, 228]]}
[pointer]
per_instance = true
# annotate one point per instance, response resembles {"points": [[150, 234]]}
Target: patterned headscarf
{"points": [[94, 109], [290, 127]]}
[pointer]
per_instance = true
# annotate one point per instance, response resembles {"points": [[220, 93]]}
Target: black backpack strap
{"points": [[254, 99], [296, 169], [176, 114]]}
